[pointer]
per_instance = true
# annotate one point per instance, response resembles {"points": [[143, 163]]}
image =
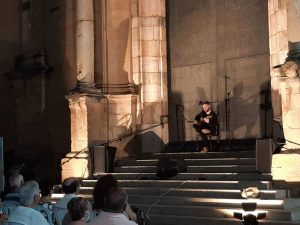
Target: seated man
{"points": [[25, 214], [70, 187], [112, 212], [206, 123], [12, 200], [45, 205]]}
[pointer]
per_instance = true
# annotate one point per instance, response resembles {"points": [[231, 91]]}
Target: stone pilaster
{"points": [[149, 65], [96, 120], [278, 42], [84, 123], [85, 43]]}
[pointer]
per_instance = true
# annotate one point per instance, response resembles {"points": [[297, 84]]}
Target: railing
{"points": [[115, 139]]}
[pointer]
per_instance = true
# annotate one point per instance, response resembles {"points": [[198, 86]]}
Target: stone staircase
{"points": [[208, 193]]}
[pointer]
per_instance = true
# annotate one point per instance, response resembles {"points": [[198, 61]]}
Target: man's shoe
{"points": [[204, 150]]}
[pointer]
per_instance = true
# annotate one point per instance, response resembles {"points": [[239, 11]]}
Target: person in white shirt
{"points": [[70, 187], [25, 214], [112, 212]]}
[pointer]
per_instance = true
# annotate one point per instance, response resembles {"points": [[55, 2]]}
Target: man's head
{"points": [[206, 106], [29, 194], [116, 201], [78, 208], [46, 187], [15, 181], [101, 190], [71, 185]]}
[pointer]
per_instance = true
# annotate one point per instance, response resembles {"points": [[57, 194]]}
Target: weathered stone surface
{"points": [[283, 167], [75, 167], [152, 8]]}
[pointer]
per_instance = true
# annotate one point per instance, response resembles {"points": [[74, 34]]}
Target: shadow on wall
{"points": [[246, 117], [142, 143], [244, 112], [266, 110], [177, 123], [181, 114]]}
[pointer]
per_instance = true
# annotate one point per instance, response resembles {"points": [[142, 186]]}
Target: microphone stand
{"points": [[227, 111], [227, 119]]}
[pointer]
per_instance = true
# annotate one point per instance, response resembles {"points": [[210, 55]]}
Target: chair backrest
{"points": [[61, 215], [47, 213]]}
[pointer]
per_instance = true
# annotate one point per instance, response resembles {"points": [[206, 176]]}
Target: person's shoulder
{"points": [[38, 218]]}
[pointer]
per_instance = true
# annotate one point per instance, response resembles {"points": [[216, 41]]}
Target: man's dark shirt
{"points": [[213, 120]]}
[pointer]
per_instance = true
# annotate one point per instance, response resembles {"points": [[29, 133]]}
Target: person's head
{"points": [[15, 181], [206, 106], [101, 190], [78, 209], [116, 201], [30, 194], [46, 187], [71, 185]]}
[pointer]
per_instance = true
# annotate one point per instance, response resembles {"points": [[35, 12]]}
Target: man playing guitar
{"points": [[206, 123]]}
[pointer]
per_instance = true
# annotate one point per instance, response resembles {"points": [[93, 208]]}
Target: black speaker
{"points": [[104, 159], [264, 150]]}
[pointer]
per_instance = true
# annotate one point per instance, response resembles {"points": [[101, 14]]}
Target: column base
{"points": [[76, 166]]}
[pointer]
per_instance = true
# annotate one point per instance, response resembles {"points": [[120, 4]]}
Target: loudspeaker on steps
{"points": [[264, 151]]}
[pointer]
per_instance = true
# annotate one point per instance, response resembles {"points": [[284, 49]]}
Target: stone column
{"points": [[278, 43], [293, 21], [85, 43], [290, 82], [149, 67]]}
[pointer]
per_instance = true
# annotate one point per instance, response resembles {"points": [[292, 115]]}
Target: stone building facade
{"points": [[108, 68]]}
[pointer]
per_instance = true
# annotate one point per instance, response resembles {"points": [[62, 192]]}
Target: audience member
{"points": [[101, 191], [70, 187], [45, 205], [12, 199], [25, 214], [113, 208], [78, 210], [15, 182]]}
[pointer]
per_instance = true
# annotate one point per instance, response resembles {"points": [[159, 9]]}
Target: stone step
{"points": [[189, 162], [214, 212], [157, 219], [199, 155], [187, 184], [192, 201], [193, 176], [191, 169], [180, 192], [201, 201]]}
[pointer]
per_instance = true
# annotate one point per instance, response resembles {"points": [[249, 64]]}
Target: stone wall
{"points": [[36, 122], [212, 42], [9, 48]]}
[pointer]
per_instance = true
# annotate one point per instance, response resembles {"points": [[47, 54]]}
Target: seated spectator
{"points": [[12, 199], [113, 208], [78, 210], [45, 205], [70, 187], [101, 190], [25, 214]]}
